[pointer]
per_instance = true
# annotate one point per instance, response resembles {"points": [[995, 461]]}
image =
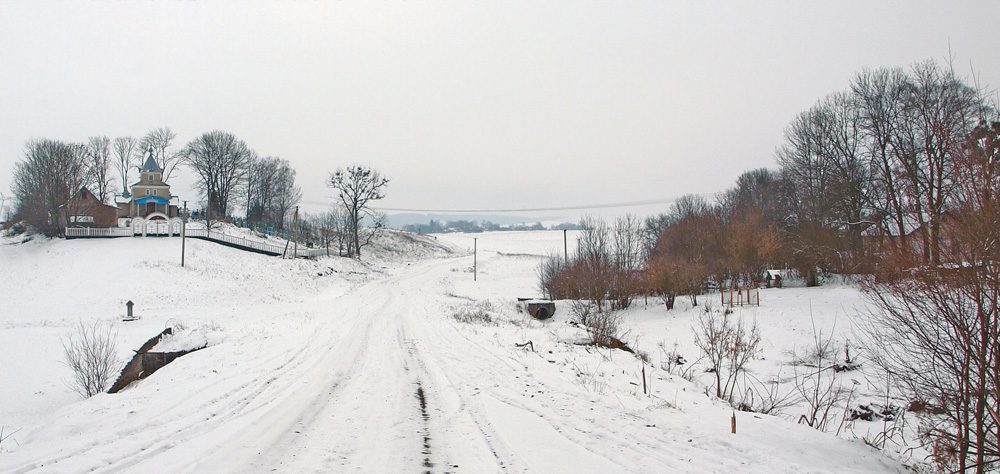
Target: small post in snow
{"points": [[644, 379], [184, 217], [475, 259], [734, 422]]}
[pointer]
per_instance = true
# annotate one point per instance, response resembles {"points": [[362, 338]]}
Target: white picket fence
{"points": [[98, 232], [219, 237]]}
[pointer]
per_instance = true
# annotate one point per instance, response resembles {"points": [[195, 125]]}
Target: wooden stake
{"points": [[644, 379], [734, 422]]}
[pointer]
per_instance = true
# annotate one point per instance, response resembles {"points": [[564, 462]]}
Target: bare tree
{"points": [[940, 112], [50, 174], [92, 355], [936, 330], [626, 236], [879, 98], [258, 192], [286, 193], [729, 344], [357, 187], [331, 229], [126, 155], [98, 153], [158, 141], [220, 161], [270, 191]]}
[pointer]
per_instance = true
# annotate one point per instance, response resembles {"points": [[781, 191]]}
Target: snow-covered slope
{"points": [[335, 365]]}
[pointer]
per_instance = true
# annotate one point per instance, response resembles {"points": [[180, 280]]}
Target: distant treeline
{"points": [[440, 227]]}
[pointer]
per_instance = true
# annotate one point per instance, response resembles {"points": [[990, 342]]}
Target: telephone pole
{"points": [[296, 230], [565, 249], [183, 231]]}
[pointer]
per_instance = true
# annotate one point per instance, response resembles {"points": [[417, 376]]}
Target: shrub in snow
{"points": [[728, 344], [819, 388], [478, 312], [92, 354], [602, 324]]}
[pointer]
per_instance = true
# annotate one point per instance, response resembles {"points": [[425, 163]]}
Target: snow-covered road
{"points": [[375, 384], [377, 376]]}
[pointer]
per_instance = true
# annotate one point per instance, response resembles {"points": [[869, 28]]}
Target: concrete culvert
{"points": [[541, 309]]}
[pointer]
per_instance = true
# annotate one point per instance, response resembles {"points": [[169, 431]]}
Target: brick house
{"points": [[85, 210]]}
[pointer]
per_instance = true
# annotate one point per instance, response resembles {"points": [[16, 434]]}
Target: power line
{"points": [[533, 209], [541, 209]]}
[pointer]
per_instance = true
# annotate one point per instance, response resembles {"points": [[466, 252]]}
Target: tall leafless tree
{"points": [[940, 110], [159, 140], [270, 192], [936, 331], [220, 160], [98, 153], [878, 96], [126, 156], [45, 180], [357, 187], [286, 193]]}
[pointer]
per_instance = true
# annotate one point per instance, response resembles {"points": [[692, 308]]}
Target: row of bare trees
{"points": [[270, 191], [351, 224], [862, 172], [935, 330], [52, 171], [728, 243], [604, 269], [875, 165], [899, 177]]}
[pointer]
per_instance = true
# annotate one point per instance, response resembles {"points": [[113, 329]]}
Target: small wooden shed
{"points": [[772, 278]]}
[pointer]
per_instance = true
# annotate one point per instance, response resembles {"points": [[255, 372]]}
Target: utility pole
{"points": [[296, 234], [183, 231], [565, 249], [475, 259]]}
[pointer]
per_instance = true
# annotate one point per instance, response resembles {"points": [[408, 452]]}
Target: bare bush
{"points": [[671, 360], [602, 324], [769, 398], [548, 271], [819, 387], [596, 272], [92, 354], [728, 344], [479, 312]]}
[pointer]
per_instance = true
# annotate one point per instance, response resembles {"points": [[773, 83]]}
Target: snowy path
{"points": [[369, 388], [382, 379]]}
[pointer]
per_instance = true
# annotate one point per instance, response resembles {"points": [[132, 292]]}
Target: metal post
{"points": [[183, 231], [475, 259], [565, 249]]}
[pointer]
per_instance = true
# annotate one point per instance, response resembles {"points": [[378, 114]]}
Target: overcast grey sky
{"points": [[468, 105]]}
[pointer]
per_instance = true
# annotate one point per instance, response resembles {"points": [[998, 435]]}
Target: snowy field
{"points": [[334, 365]]}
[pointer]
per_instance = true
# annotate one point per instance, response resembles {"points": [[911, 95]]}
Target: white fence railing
{"points": [[230, 240], [98, 232]]}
